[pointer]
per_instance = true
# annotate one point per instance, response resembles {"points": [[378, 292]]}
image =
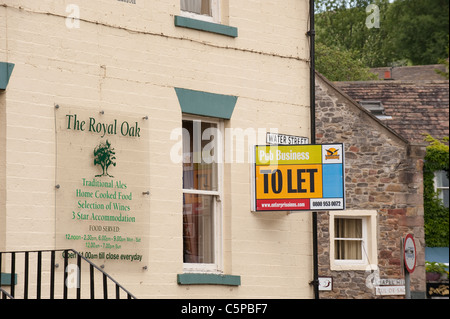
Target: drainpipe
{"points": [[311, 34]]}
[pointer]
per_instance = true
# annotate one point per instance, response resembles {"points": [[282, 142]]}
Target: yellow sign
{"points": [[291, 154]]}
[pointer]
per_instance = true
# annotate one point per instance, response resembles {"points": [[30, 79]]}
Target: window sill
{"points": [[195, 24], [350, 267], [208, 279]]}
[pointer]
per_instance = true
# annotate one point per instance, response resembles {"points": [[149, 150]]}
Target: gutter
{"points": [[312, 33]]}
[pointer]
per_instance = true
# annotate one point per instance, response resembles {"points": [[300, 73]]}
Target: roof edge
{"points": [[356, 104]]}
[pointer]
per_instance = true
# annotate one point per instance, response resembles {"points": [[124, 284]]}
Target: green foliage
{"points": [[435, 267], [444, 74], [436, 214], [411, 31], [341, 65], [345, 28], [444, 62], [419, 30]]}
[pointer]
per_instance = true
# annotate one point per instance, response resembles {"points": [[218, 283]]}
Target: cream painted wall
{"points": [[127, 57]]}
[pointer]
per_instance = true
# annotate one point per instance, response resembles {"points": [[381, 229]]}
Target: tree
{"points": [[343, 24], [340, 65], [104, 156], [419, 30], [410, 31]]}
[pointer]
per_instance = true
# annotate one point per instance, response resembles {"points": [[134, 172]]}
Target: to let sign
{"points": [[299, 178]]}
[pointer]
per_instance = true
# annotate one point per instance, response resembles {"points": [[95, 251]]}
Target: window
{"points": [[353, 244], [376, 108], [202, 149], [441, 185], [207, 10], [348, 239]]}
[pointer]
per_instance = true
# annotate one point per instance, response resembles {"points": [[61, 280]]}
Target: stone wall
{"points": [[383, 173]]}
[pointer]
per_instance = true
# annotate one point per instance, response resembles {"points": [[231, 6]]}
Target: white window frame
{"points": [[369, 240], [438, 188], [215, 11], [217, 266]]}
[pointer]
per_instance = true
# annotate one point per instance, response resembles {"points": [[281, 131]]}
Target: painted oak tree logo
{"points": [[104, 156]]}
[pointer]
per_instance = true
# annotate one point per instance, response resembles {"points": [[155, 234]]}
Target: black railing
{"points": [[46, 276], [4, 294]]}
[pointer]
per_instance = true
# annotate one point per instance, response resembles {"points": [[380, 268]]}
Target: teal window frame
{"points": [[6, 70], [217, 28], [206, 104]]}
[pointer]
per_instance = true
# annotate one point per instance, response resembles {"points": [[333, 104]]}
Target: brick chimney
{"points": [[388, 74]]}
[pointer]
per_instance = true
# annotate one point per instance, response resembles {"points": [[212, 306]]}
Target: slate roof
{"points": [[416, 107], [412, 73]]}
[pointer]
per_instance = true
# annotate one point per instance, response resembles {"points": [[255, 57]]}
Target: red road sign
{"points": [[410, 254]]}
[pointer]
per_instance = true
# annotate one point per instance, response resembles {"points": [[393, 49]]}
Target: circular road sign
{"points": [[410, 253]]}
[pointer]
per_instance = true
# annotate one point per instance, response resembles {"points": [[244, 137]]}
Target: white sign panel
{"points": [[390, 290], [283, 139], [325, 283]]}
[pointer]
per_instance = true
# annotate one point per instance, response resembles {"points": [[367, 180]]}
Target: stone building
{"points": [[384, 202], [413, 101]]}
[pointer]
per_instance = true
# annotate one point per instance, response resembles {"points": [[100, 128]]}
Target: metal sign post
{"points": [[407, 285]]}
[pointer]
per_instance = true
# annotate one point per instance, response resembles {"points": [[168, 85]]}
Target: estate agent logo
{"points": [[332, 153], [104, 156]]}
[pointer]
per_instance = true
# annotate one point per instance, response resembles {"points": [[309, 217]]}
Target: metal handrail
{"points": [[65, 252], [4, 294]]}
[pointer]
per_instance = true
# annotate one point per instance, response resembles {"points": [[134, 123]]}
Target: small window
{"points": [[348, 239], [376, 108], [202, 7], [353, 243], [441, 186], [207, 10]]}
